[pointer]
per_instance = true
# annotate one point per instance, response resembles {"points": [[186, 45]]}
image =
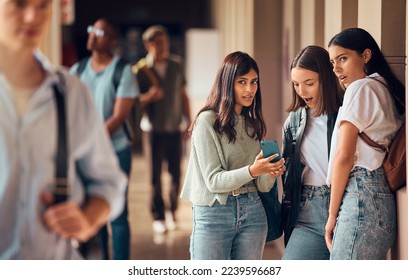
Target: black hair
{"points": [[358, 39]]}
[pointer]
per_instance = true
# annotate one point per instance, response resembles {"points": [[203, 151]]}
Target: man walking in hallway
{"points": [[114, 89], [162, 80]]}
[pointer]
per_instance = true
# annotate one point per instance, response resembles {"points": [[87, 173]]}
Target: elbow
{"points": [[344, 157]]}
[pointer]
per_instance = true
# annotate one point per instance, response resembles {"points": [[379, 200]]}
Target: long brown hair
{"points": [[221, 99], [316, 59]]}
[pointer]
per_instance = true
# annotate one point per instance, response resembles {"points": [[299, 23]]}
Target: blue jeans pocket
{"points": [[384, 204]]}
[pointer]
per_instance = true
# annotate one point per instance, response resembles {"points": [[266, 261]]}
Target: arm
{"points": [[97, 182], [186, 106], [125, 95], [208, 153], [343, 161], [154, 94], [121, 111]]}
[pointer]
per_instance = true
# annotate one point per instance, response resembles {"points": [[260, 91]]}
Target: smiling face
{"points": [[22, 23], [245, 88], [307, 85], [348, 65]]}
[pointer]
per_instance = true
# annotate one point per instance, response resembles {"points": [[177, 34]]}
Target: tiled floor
{"points": [[173, 245]]}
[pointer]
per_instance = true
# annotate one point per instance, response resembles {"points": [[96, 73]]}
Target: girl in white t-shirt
{"points": [[362, 214]]}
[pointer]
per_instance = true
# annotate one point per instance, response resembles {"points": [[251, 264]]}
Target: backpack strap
{"points": [[81, 65], [117, 74], [371, 142], [295, 123], [61, 187]]}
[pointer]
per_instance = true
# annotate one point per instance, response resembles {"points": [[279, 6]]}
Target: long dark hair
{"points": [[221, 99], [359, 40], [316, 59]]}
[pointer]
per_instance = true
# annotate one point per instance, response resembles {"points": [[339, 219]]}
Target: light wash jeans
{"points": [[366, 225], [307, 240], [234, 231]]}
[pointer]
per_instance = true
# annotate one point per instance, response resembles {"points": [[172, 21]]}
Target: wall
{"points": [[51, 43]]}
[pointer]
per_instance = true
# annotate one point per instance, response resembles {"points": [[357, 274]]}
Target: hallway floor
{"points": [[174, 244]]}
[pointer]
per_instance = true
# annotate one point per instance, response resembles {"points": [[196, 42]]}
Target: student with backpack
{"points": [[35, 223], [114, 90], [307, 132], [362, 213]]}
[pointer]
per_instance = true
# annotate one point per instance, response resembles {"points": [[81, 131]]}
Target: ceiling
{"points": [[176, 15]]}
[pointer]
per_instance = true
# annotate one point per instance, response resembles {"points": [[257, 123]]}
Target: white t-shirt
{"points": [[368, 105], [314, 154]]}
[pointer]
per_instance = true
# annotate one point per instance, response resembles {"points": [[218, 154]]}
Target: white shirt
{"points": [[368, 105], [314, 153], [27, 150]]}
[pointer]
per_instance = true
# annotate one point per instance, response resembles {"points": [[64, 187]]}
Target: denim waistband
{"points": [[361, 171], [317, 189]]}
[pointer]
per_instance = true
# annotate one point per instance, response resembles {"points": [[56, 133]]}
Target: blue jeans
{"points": [[366, 224], [120, 226], [307, 240], [234, 231]]}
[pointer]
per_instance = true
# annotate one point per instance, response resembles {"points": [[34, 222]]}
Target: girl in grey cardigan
{"points": [[227, 168]]}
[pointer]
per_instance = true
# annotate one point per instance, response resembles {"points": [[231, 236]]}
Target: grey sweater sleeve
{"points": [[211, 160]]}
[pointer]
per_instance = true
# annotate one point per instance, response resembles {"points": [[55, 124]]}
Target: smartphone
{"points": [[270, 147]]}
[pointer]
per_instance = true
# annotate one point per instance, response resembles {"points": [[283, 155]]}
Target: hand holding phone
{"points": [[270, 147]]}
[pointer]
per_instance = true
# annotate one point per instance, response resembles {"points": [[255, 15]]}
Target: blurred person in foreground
{"points": [[32, 225]]}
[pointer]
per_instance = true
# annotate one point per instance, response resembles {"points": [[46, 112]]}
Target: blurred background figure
{"points": [[164, 97], [114, 89]]}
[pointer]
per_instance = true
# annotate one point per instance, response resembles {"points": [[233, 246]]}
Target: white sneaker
{"points": [[170, 221], [159, 226]]}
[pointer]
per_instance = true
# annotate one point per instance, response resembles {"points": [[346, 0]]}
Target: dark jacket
{"points": [[293, 132]]}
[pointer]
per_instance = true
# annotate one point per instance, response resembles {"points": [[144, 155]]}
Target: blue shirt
{"points": [[101, 85], [27, 151]]}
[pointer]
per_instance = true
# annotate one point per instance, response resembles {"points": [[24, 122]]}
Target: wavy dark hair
{"points": [[316, 59], [221, 99], [358, 39]]}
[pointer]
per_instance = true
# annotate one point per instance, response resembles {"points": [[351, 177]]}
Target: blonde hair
{"points": [[153, 31]]}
